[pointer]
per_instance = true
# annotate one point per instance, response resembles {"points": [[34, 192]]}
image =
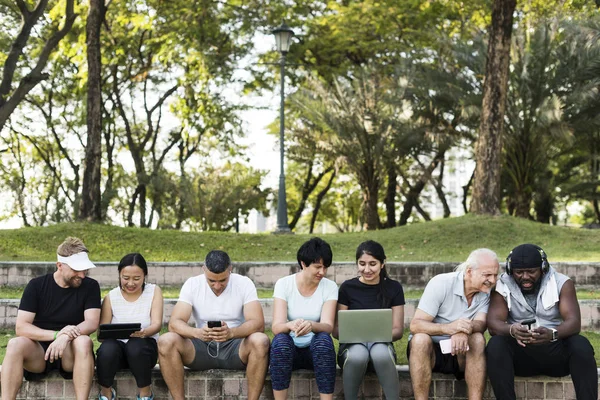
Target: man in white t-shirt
{"points": [[229, 330]]}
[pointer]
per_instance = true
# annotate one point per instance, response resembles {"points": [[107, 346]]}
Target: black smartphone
{"points": [[214, 324], [529, 323]]}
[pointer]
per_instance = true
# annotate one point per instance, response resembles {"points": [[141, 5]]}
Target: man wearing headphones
{"points": [[534, 320]]}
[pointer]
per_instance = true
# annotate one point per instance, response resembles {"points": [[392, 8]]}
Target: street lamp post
{"points": [[283, 37]]}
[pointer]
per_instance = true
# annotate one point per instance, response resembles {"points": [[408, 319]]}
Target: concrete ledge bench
{"points": [[590, 312], [230, 385], [264, 274]]}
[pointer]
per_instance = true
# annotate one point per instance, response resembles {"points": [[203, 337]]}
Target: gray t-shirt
{"points": [[444, 299]]}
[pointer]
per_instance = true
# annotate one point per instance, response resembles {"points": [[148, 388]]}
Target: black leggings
{"points": [[573, 355], [138, 354]]}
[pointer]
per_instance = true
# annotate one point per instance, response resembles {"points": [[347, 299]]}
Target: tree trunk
{"points": [[488, 151], [390, 196], [466, 192], [594, 171], [109, 191], [422, 212], [319, 200], [522, 204], [143, 206], [412, 197], [308, 187], [440, 190], [132, 205], [370, 214], [91, 199]]}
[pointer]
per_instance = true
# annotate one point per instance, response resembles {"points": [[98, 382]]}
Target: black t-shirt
{"points": [[56, 307], [360, 296]]}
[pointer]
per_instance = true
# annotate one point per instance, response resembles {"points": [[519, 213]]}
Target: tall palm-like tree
{"points": [[362, 126], [535, 125]]}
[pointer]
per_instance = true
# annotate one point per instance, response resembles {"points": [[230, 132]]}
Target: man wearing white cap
{"points": [[56, 314]]}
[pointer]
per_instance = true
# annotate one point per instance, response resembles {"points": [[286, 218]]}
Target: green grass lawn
{"points": [[449, 239], [400, 345], [171, 292]]}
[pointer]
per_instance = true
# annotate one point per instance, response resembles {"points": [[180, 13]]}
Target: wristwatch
{"points": [[554, 335]]}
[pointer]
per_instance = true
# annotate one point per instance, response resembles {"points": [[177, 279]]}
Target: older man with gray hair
{"points": [[447, 328]]}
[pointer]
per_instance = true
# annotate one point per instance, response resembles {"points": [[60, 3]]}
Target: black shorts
{"points": [[50, 366], [217, 355], [444, 363]]}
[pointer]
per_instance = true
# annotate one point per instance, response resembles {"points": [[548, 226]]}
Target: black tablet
{"points": [[117, 331]]}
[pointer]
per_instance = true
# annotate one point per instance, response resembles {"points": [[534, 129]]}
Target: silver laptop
{"points": [[358, 326]]}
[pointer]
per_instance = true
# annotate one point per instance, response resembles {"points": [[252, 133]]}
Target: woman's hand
{"points": [[293, 325], [139, 334], [304, 328]]}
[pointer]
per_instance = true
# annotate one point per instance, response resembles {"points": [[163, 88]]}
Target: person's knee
{"points": [[381, 354], [135, 347], [167, 343], [258, 343], [496, 347], [282, 343], [579, 346], [82, 345], [322, 339], [476, 342], [357, 355], [17, 346], [108, 350], [421, 345]]}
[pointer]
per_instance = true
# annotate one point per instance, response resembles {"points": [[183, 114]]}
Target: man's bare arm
{"points": [[24, 327], [178, 322], [423, 323], [91, 321], [255, 321]]}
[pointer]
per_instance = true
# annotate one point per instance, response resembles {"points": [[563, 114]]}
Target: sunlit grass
{"points": [[450, 239]]}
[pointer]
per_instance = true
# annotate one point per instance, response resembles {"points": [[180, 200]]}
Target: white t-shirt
{"points": [[298, 306], [228, 306]]}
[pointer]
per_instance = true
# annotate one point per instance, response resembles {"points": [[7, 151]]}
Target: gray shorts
{"points": [[217, 355]]}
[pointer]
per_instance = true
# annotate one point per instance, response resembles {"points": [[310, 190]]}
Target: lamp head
{"points": [[283, 37]]}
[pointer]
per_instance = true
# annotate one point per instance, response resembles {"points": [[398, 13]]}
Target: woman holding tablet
{"points": [[133, 300], [303, 317], [372, 289]]}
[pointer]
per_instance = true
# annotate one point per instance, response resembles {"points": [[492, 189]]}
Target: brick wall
{"points": [[219, 384]]}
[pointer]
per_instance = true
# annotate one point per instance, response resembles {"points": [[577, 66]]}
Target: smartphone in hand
{"points": [[446, 346], [214, 324], [530, 323]]}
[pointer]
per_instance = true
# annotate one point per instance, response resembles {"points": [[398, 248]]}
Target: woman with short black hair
{"points": [[303, 318]]}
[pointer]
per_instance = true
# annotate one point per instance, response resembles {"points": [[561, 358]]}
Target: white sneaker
{"points": [[113, 395]]}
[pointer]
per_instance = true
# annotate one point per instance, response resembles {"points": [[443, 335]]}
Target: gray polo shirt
{"points": [[444, 299]]}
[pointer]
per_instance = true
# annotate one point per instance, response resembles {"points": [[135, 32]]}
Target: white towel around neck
{"points": [[549, 296]]}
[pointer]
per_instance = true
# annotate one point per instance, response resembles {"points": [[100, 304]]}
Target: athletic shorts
{"points": [[50, 366], [217, 355], [444, 363]]}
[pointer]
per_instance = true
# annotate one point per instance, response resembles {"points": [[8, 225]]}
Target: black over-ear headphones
{"points": [[545, 264]]}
